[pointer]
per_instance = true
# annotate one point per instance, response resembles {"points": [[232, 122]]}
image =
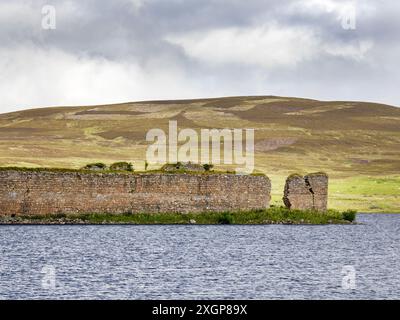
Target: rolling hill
{"points": [[356, 143]]}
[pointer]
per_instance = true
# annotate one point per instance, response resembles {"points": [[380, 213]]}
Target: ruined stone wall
{"points": [[306, 193], [24, 192]]}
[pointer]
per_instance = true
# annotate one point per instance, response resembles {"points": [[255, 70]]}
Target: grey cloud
{"points": [[127, 35]]}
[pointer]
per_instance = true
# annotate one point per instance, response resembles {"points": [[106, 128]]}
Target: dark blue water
{"points": [[197, 262]]}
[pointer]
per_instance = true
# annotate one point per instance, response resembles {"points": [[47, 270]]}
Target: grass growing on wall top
{"points": [[109, 171]]}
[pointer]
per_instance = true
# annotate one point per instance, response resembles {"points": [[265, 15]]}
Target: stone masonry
{"points": [[306, 193], [47, 192]]}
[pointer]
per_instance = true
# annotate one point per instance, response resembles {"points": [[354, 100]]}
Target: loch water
{"points": [[360, 261]]}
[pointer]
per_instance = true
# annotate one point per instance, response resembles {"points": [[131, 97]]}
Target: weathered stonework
{"points": [[306, 193], [46, 192]]}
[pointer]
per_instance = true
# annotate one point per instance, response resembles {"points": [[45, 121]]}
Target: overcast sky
{"points": [[104, 51]]}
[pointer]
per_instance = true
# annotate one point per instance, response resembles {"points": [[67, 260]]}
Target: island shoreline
{"points": [[270, 216]]}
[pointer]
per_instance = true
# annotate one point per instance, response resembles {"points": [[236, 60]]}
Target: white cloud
{"points": [[267, 46], [30, 76], [357, 51], [325, 5], [338, 8], [137, 4]]}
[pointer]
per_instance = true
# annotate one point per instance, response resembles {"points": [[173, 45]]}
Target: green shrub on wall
{"points": [[208, 167], [95, 166], [122, 166]]}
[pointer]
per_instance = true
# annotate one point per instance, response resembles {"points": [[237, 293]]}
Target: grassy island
{"points": [[273, 215]]}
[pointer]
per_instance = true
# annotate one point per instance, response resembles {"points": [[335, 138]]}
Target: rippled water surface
{"points": [[195, 262]]}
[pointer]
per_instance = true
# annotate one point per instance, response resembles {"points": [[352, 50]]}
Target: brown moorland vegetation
{"points": [[356, 143]]}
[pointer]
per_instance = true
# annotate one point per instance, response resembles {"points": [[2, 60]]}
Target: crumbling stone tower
{"points": [[307, 193]]}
